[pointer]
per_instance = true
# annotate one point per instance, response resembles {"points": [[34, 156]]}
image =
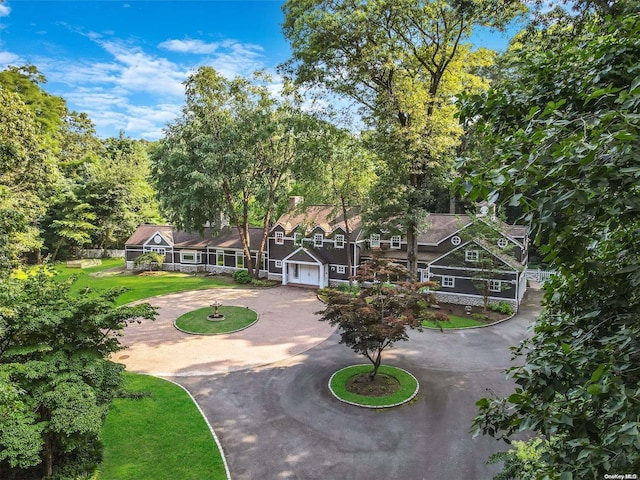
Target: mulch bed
{"points": [[381, 386], [459, 311]]}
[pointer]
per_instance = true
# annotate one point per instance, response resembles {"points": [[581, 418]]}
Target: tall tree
{"points": [[563, 121], [234, 145], [402, 61], [54, 351]]}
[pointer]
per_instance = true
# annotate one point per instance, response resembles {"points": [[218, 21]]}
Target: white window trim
{"points": [[503, 242], [396, 241], [220, 256], [278, 264], [495, 285], [455, 240], [160, 250], [197, 257], [341, 269], [240, 255], [374, 240], [317, 240], [279, 238], [297, 239], [338, 241], [471, 255], [447, 279]]}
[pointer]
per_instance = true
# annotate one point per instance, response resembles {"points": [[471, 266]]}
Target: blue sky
{"points": [[123, 62]]}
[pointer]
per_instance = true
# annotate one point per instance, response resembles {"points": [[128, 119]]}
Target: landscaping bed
{"points": [[459, 318]]}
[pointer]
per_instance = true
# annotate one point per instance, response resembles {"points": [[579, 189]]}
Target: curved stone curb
{"points": [[377, 407], [221, 333], [213, 433], [454, 329]]}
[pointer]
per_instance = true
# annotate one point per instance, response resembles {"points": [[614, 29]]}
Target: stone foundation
{"points": [[474, 301]]}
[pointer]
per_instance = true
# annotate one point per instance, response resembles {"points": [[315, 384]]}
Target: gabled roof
{"points": [[442, 226], [326, 217], [304, 255], [226, 238]]}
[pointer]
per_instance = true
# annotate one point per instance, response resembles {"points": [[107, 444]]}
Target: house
{"points": [[313, 247], [192, 252]]}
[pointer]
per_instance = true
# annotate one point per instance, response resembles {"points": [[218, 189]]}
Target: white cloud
{"points": [[189, 46], [8, 58], [4, 10]]}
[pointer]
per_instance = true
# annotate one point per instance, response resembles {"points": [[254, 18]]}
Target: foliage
{"points": [[161, 436], [149, 260], [501, 307], [379, 315], [563, 122], [401, 61], [241, 276], [521, 463], [54, 351], [235, 146]]}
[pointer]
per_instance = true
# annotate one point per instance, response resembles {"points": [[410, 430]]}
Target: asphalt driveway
{"points": [[279, 421]]}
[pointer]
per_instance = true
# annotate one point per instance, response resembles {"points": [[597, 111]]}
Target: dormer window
{"points": [[339, 241], [317, 240], [297, 239], [279, 238], [395, 242], [374, 240]]}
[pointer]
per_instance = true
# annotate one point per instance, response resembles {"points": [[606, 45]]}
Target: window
{"points": [[189, 257], [471, 255], [160, 250], [374, 240], [341, 269], [495, 285], [395, 241], [317, 240], [297, 239], [339, 241], [279, 238], [455, 240], [448, 282], [278, 263], [239, 260], [220, 258], [502, 242]]}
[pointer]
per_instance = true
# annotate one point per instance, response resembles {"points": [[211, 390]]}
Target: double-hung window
{"points": [[471, 255], [495, 285], [374, 240], [317, 240], [279, 238], [297, 239], [395, 242], [339, 241], [448, 282]]}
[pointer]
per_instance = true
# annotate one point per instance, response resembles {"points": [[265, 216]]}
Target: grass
{"points": [[408, 386], [162, 436], [235, 318], [139, 286], [454, 322]]}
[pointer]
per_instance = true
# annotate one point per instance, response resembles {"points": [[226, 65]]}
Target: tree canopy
{"points": [[558, 135]]}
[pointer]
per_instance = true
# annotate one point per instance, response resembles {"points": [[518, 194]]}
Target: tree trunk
{"points": [[347, 234], [412, 252], [376, 365], [47, 461]]}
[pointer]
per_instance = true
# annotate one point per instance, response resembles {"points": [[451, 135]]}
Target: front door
{"points": [[303, 274]]}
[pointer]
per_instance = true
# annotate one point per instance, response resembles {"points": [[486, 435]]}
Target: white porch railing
{"points": [[538, 275]]}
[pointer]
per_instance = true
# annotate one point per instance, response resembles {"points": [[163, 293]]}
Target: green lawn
{"points": [[140, 286], [236, 318], [159, 437], [408, 385], [454, 322]]}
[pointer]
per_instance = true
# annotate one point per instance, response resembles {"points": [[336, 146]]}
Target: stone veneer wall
{"points": [[473, 301]]}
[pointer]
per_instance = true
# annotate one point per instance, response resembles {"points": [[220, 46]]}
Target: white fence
{"points": [[98, 253], [539, 276]]}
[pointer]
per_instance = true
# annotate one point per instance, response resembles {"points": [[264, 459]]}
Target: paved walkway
{"points": [[286, 326]]}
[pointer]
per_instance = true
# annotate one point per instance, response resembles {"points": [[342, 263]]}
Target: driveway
{"points": [[278, 421]]}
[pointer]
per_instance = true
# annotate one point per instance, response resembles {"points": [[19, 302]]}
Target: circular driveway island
{"points": [[279, 421]]}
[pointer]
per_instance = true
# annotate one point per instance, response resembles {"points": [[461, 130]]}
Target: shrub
{"points": [[346, 288], [242, 276], [480, 317], [501, 307]]}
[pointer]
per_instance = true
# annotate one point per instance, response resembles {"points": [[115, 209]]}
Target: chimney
{"points": [[294, 201]]}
